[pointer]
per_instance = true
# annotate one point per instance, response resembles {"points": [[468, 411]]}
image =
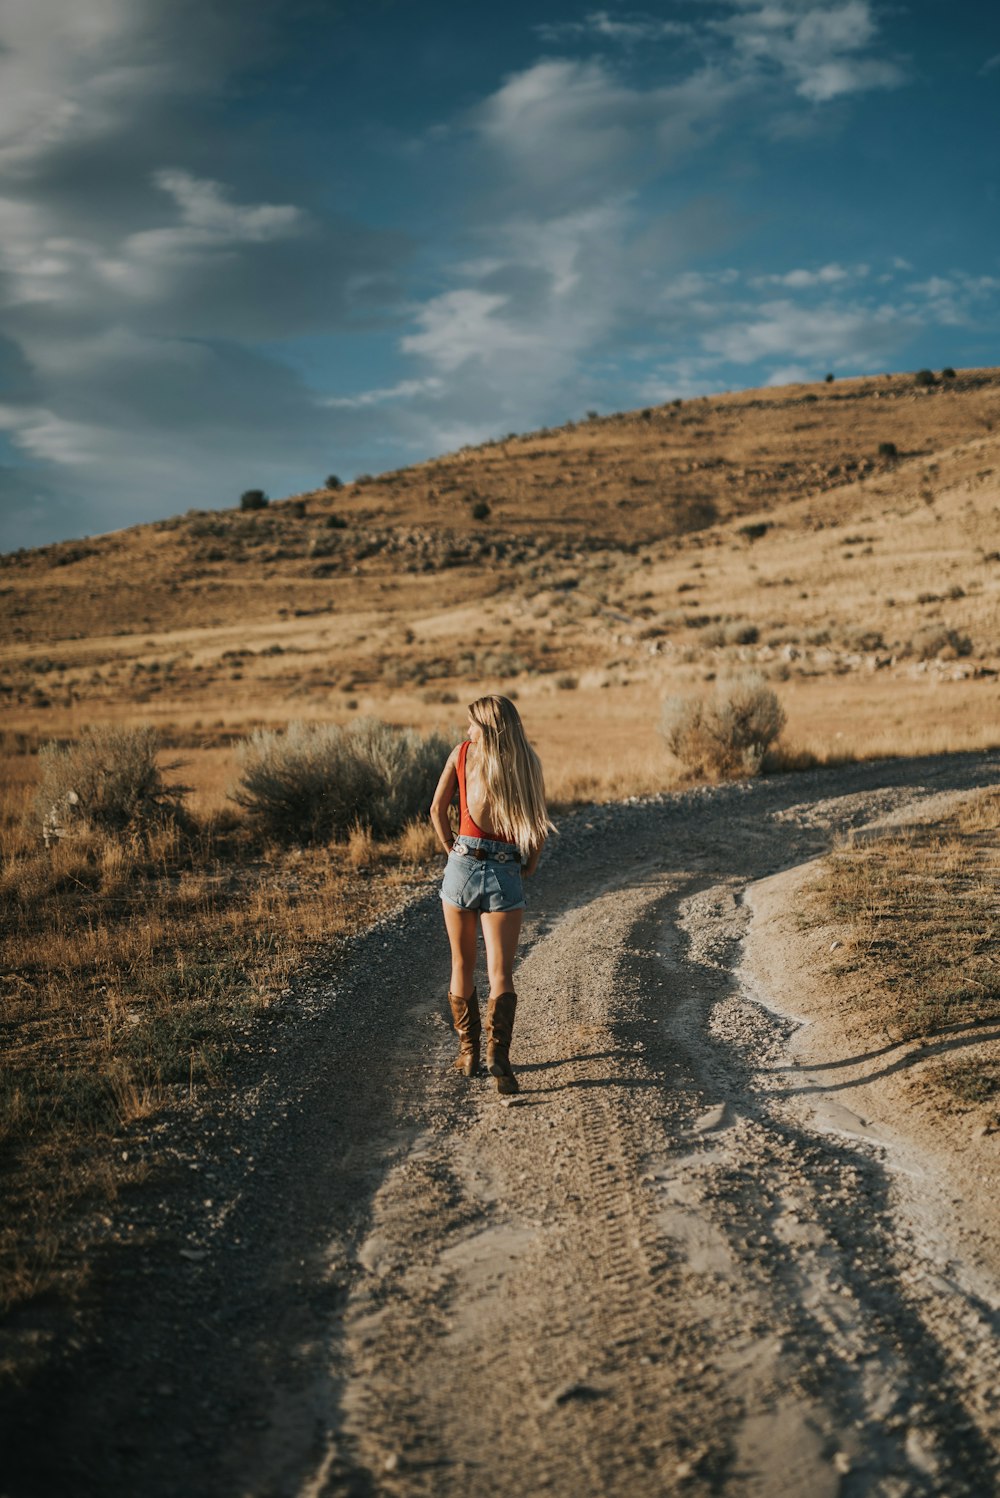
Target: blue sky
{"points": [[248, 246]]}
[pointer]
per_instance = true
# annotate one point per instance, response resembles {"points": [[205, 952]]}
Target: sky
{"points": [[250, 243]]}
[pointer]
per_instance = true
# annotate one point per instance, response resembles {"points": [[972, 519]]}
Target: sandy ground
{"points": [[687, 1259]]}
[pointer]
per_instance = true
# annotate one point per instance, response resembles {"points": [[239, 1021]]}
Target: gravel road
{"points": [[653, 1272]]}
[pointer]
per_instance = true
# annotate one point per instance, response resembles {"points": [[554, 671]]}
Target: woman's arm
{"points": [[532, 864], [443, 797]]}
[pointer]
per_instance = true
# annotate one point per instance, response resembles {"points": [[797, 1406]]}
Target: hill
{"points": [[840, 537]]}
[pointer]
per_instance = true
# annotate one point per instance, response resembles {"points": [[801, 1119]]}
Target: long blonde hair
{"points": [[512, 773]]}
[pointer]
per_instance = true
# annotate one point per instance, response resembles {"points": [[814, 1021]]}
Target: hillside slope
{"points": [[772, 528]]}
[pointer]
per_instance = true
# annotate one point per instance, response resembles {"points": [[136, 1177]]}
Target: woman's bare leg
{"points": [[501, 932], [461, 928]]}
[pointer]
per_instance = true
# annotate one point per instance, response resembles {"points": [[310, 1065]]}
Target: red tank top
{"points": [[466, 826]]}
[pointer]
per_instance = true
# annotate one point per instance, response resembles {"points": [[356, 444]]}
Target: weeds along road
{"points": [[653, 1273]]}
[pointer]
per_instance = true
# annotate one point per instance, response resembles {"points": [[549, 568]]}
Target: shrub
{"points": [[829, 379], [727, 733], [333, 482], [936, 640], [317, 780], [754, 529], [865, 640], [567, 682], [948, 373], [335, 523], [888, 450], [730, 632], [108, 779], [741, 632], [253, 499], [480, 510], [924, 377]]}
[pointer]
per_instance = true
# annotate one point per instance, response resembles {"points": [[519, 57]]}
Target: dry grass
{"points": [[924, 931], [124, 967], [638, 557]]}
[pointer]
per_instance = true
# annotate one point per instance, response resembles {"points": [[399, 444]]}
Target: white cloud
{"points": [[59, 77], [567, 131], [777, 329], [955, 300], [209, 224], [601, 26], [97, 73], [817, 47], [801, 280], [791, 374], [43, 434], [462, 325], [403, 390], [823, 81]]}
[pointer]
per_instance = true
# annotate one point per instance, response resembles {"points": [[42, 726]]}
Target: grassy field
{"points": [[840, 540], [128, 965], [920, 907]]}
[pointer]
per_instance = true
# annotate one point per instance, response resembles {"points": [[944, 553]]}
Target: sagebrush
{"points": [[108, 779], [316, 781], [728, 732]]}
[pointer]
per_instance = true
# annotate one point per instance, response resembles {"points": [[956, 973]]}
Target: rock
{"points": [[576, 1392]]}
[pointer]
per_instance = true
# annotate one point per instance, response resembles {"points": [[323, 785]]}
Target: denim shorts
{"points": [[486, 884]]}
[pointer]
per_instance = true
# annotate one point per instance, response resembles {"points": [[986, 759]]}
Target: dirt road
{"points": [[667, 1267]]}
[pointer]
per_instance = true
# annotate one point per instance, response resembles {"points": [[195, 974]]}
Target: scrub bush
{"points": [[107, 779], [254, 499], [935, 640], [316, 781], [728, 733]]}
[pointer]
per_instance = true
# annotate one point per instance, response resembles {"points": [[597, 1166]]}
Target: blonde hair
{"points": [[512, 773]]}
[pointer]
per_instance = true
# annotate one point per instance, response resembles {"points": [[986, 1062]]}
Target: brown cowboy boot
{"points": [[468, 1026], [499, 1028]]}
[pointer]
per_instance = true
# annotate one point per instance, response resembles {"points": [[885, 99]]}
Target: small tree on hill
{"points": [[924, 377], [333, 482], [253, 499]]}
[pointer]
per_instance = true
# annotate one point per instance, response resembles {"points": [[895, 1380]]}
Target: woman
{"points": [[502, 826]]}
